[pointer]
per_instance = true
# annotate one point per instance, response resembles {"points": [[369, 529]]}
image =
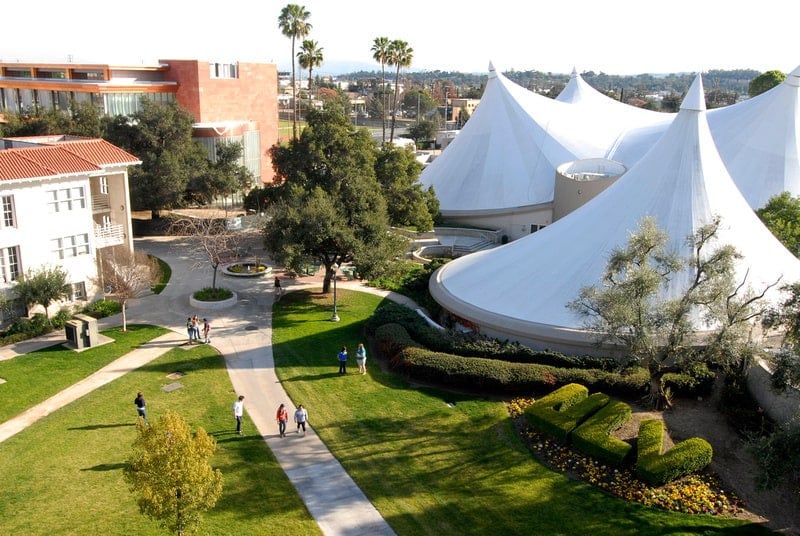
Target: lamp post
{"points": [[335, 317]]}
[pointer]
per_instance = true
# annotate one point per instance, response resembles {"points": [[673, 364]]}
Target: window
{"points": [[223, 70], [9, 220], [66, 199], [79, 291], [9, 263], [104, 185], [537, 227], [71, 246]]}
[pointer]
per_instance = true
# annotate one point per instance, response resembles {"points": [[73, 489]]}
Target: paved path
{"points": [[243, 334]]}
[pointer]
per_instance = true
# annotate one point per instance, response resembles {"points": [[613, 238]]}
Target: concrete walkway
{"points": [[243, 335]]}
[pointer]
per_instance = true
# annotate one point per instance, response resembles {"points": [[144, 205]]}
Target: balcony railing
{"points": [[100, 203], [108, 235]]}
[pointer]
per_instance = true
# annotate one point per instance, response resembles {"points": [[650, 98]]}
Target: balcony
{"points": [[100, 203], [108, 235]]}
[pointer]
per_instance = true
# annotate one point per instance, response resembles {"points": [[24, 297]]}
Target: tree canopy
{"points": [[43, 286], [330, 207], [781, 215], [169, 470], [397, 170], [765, 82], [625, 309], [161, 136], [293, 23]]}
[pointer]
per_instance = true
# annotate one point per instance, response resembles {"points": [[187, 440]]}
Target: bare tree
{"points": [[219, 243], [128, 274]]}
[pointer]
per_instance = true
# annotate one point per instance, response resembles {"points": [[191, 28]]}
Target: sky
{"points": [[620, 37]]}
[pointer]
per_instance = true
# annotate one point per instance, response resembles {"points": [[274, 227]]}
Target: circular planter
{"points": [[248, 269], [212, 305]]}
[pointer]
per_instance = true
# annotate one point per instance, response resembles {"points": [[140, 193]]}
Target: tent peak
{"points": [[695, 100]]}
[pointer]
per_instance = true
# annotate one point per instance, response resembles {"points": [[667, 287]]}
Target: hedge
{"points": [[563, 410], [684, 458], [594, 436], [491, 375]]}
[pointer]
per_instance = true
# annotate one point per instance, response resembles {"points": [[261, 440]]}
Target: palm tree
{"points": [[380, 53], [310, 56], [294, 24], [400, 55]]}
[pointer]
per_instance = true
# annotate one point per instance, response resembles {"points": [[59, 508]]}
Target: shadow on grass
{"points": [[101, 426], [106, 467], [187, 365]]}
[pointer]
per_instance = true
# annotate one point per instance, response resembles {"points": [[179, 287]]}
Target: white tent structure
{"points": [[521, 290], [759, 141], [501, 166]]}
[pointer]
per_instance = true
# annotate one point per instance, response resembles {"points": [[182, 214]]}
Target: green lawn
{"points": [[435, 462], [63, 475], [35, 377]]}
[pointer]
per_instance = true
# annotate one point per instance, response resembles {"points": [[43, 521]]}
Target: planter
{"points": [[211, 305], [246, 269]]}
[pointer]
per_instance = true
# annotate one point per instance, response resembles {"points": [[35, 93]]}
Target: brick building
{"points": [[229, 101]]}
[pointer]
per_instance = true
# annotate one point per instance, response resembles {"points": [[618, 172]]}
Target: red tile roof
{"points": [[60, 156]]}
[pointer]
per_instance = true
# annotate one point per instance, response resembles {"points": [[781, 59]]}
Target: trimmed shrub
{"points": [[391, 338], [684, 458], [697, 380], [594, 436], [213, 294], [563, 410], [102, 308]]}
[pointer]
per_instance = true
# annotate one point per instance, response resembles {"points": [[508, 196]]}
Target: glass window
{"points": [[79, 291], [104, 185], [9, 263], [8, 211], [66, 199]]}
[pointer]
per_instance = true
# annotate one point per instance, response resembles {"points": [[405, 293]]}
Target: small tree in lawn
{"points": [[127, 274], [170, 472], [218, 243], [43, 286]]}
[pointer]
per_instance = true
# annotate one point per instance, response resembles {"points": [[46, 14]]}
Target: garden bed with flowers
{"points": [[699, 493]]}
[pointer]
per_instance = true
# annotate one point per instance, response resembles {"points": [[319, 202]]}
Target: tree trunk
{"points": [[214, 278], [657, 397], [326, 283], [123, 306]]}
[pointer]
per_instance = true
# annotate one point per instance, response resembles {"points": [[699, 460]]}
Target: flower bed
{"points": [[699, 493], [246, 269]]}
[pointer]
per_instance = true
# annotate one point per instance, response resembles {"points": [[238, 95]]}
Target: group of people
{"points": [[195, 329], [300, 418], [361, 359]]}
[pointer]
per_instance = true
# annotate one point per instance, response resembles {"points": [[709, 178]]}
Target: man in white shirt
{"points": [[238, 410], [300, 417]]}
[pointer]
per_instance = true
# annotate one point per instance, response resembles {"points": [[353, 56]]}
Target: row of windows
{"points": [[224, 70], [29, 100], [65, 199], [71, 246]]}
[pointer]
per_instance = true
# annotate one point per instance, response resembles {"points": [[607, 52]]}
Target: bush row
{"points": [[465, 347], [594, 436]]}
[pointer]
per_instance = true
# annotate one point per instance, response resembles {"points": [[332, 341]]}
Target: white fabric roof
{"points": [[681, 182], [506, 154]]}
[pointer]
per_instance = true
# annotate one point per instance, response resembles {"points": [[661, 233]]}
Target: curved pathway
{"points": [[243, 335]]}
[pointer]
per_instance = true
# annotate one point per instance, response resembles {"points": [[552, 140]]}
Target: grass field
{"points": [[63, 475], [434, 462]]}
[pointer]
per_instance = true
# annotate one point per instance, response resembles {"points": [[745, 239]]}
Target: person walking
{"points": [[278, 289], [343, 360], [361, 358], [282, 417], [206, 330], [238, 411], [301, 417], [190, 329], [141, 410], [196, 324]]}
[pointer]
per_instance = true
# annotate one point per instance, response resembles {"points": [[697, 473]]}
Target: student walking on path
{"points": [[282, 417], [238, 411], [343, 360], [300, 417], [206, 330]]}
